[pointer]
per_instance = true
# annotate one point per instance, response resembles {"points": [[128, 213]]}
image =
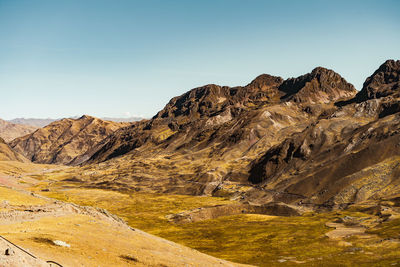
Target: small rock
{"points": [[9, 252], [61, 243]]}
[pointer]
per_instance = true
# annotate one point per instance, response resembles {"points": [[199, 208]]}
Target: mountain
{"points": [[204, 141], [300, 147], [308, 140], [226, 114], [130, 119], [66, 141], [312, 139], [350, 156], [38, 123], [7, 153], [383, 82], [10, 131]]}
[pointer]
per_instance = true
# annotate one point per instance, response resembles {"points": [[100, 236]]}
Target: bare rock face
{"points": [[320, 86], [209, 99], [335, 159], [64, 141], [383, 82]]}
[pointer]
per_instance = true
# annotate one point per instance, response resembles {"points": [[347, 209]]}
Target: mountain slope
{"points": [[65, 141], [203, 141], [333, 161], [308, 140], [73, 235], [224, 114], [9, 131], [7, 153], [311, 139]]}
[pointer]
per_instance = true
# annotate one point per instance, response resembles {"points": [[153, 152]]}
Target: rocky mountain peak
{"points": [[86, 117], [320, 86], [265, 81], [383, 82]]}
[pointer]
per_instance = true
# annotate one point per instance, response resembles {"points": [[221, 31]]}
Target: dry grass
{"points": [[14, 197], [251, 239], [93, 241]]}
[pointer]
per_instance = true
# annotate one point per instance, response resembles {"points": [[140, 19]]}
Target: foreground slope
{"points": [[366, 235], [73, 235], [67, 141], [9, 131]]}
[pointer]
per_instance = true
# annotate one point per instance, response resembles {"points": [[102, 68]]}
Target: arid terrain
{"points": [[303, 171]]}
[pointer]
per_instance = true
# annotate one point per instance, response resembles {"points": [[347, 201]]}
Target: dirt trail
{"points": [[12, 255]]}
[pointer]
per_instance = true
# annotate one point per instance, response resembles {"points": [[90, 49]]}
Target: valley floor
{"points": [[354, 237]]}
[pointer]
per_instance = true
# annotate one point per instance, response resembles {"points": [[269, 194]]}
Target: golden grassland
{"points": [[251, 239], [16, 168], [14, 197], [92, 241]]}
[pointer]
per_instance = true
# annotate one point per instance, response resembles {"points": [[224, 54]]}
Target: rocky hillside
{"points": [[224, 116], [311, 140], [351, 155], [9, 131], [204, 141], [67, 141], [7, 153]]}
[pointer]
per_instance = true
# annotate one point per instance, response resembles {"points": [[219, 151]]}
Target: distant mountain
{"points": [[65, 141], [39, 123], [10, 131], [130, 119]]}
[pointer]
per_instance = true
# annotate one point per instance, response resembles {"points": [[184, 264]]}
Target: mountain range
{"points": [[209, 170], [39, 123], [311, 139]]}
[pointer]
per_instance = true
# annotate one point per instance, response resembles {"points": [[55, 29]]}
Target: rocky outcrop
{"points": [[385, 81], [320, 86]]}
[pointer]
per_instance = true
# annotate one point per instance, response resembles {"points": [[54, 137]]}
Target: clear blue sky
{"points": [[114, 58]]}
